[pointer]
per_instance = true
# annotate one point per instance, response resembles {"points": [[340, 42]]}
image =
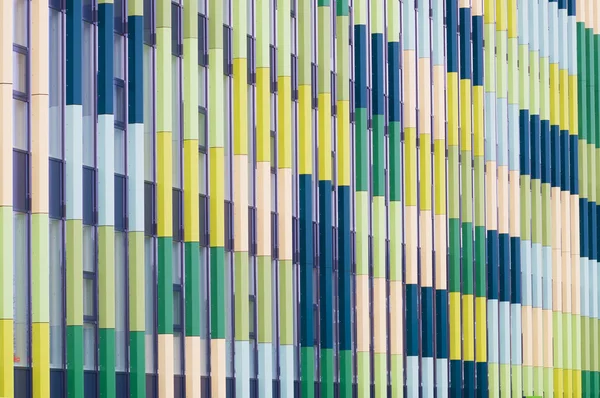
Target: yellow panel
{"points": [[40, 351], [573, 111], [554, 99], [343, 138], [564, 99], [240, 202], [468, 326], [6, 358], [164, 184], [240, 116], [6, 131], [481, 322], [263, 115], [465, 114], [165, 366], [512, 18], [39, 153], [284, 123], [190, 194], [478, 129], [324, 137], [217, 198], [425, 170], [452, 104], [455, 326], [305, 140]]}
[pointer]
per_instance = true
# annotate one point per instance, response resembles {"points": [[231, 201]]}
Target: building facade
{"points": [[299, 198]]}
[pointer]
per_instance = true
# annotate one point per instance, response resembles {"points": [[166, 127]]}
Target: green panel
{"points": [[137, 363], [75, 361], [378, 155], [217, 292], [307, 364], [106, 363], [265, 318], [345, 373], [454, 252], [165, 285], [361, 135], [467, 260], [363, 374], [286, 295], [327, 372], [480, 268], [380, 362], [192, 290]]}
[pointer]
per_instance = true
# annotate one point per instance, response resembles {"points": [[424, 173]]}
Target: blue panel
{"points": [[504, 257], [469, 379], [105, 58], [555, 155], [574, 158], [90, 381], [344, 271], [515, 269], [325, 265], [442, 322], [395, 113], [306, 260], [451, 35], [565, 160], [412, 320], [562, 4], [122, 385], [456, 379], [74, 37], [136, 69], [493, 288], [583, 223], [478, 63], [89, 195], [22, 378], [482, 379], [179, 384], [55, 188], [120, 209], [360, 65], [536, 158], [545, 151], [524, 135], [465, 42], [57, 383], [572, 8], [427, 321], [377, 73], [593, 253], [20, 181]]}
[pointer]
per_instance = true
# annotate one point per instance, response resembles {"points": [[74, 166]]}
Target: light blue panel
{"points": [[265, 370], [504, 333], [492, 321], [438, 32], [547, 264], [534, 26], [523, 21], [593, 289], [242, 369], [514, 137], [423, 26], [412, 376], [553, 34], [544, 39], [584, 272], [441, 365], [286, 367], [536, 270], [563, 44], [526, 272], [490, 126], [73, 164], [502, 126], [135, 172], [572, 49], [427, 374], [106, 169], [408, 26], [515, 325]]}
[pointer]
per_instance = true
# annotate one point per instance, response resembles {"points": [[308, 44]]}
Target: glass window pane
{"points": [[201, 85], [20, 22], [150, 304], [89, 346], [121, 341], [148, 14], [176, 308], [89, 102], [89, 248], [202, 129], [55, 84], [177, 353], [88, 297], [56, 293], [119, 151], [20, 139], [20, 290], [119, 53], [19, 72], [176, 262], [119, 104], [202, 173]]}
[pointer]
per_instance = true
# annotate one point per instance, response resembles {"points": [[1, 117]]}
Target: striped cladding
{"points": [[329, 198]]}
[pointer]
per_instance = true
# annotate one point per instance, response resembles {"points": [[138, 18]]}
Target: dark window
{"points": [[149, 205], [56, 189], [294, 78], [202, 42], [314, 87], [20, 181], [88, 10], [203, 128], [252, 245], [274, 236], [89, 195], [333, 94], [149, 33], [204, 238], [120, 104], [228, 225], [227, 51], [119, 16], [177, 215], [273, 68], [250, 45], [176, 46], [56, 4], [120, 208]]}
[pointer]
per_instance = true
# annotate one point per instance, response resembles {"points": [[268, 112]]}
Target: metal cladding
{"points": [[302, 198]]}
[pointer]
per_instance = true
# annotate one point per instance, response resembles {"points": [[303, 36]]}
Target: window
{"points": [[176, 43], [119, 16], [20, 21], [121, 339], [55, 81], [120, 203], [21, 305], [227, 50], [88, 10], [20, 125], [149, 28], [56, 304], [202, 40], [89, 94]]}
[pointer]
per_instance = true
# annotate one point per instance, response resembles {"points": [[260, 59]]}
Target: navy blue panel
{"points": [[515, 269], [456, 378], [478, 62], [441, 316], [306, 260], [122, 385], [493, 288], [345, 267], [55, 187], [136, 69], [469, 379], [151, 385], [73, 52], [105, 58], [360, 65], [275, 385], [148, 13], [555, 155], [57, 383], [562, 4], [571, 8], [524, 134], [325, 264], [395, 114], [204, 221], [412, 317], [574, 160], [545, 151], [564, 159], [504, 257], [482, 380], [465, 42], [451, 35], [89, 195], [377, 73], [120, 210], [583, 227], [22, 378], [149, 208], [177, 215], [536, 157], [179, 384], [20, 181], [593, 254], [90, 384], [427, 320], [596, 241]]}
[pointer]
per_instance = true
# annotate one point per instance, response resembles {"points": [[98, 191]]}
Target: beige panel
{"points": [[39, 153], [556, 280], [575, 225], [515, 201], [240, 197], [263, 208], [396, 311], [556, 226], [426, 249], [538, 330], [476, 7], [6, 42], [439, 105], [491, 197], [548, 351], [165, 366], [362, 313], [410, 89], [40, 60], [284, 208], [527, 335], [217, 370], [440, 252], [575, 293], [411, 244], [379, 315], [425, 97], [192, 367], [6, 128], [565, 221], [502, 200]]}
